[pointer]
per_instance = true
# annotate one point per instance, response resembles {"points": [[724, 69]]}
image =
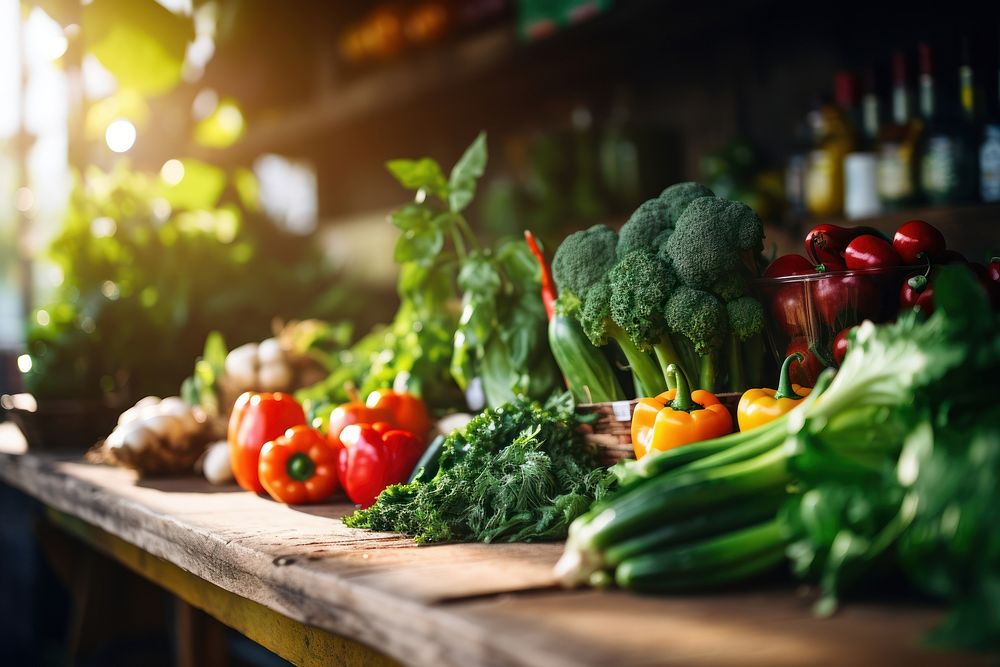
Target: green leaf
{"points": [[200, 187], [480, 276], [419, 245], [412, 217], [223, 127], [465, 173], [215, 352], [139, 41], [422, 174], [959, 295]]}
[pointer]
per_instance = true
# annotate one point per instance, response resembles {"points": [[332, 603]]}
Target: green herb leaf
{"points": [[419, 245], [422, 174], [412, 216], [465, 173]]}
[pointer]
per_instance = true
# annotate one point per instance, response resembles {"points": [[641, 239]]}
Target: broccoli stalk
{"points": [[746, 342], [595, 316], [699, 319]]}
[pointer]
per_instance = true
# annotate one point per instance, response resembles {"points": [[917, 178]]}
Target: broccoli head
{"points": [[643, 226], [715, 245], [649, 225], [746, 317], [641, 285], [677, 197], [700, 317], [596, 313], [583, 259]]}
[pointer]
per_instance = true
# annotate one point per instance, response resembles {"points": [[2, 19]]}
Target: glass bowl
{"points": [[805, 313]]}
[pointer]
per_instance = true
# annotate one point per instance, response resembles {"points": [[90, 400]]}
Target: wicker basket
{"points": [[610, 434]]}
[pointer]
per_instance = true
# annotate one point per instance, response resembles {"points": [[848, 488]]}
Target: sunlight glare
{"points": [[120, 135]]}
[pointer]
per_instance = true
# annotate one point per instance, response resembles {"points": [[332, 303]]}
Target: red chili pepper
{"points": [[869, 252], [548, 286], [373, 457], [256, 419], [805, 372], [825, 243], [299, 467], [917, 238], [917, 292]]}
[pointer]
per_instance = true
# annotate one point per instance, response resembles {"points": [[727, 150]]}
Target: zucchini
{"points": [[587, 371], [429, 462], [716, 560], [674, 497], [753, 511], [712, 578]]}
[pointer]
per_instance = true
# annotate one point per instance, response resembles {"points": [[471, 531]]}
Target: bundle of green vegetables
{"points": [[894, 462], [516, 473], [670, 288], [467, 312]]}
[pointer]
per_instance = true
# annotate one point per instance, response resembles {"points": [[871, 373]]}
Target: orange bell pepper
{"points": [[299, 467], [404, 411], [760, 406], [256, 419], [677, 417]]}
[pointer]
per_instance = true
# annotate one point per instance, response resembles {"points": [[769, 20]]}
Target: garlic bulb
{"points": [[160, 436]]}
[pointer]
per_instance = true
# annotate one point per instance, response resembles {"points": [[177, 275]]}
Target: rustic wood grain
{"points": [[451, 604]]}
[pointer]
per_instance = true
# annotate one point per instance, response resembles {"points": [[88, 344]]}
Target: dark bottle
{"points": [[832, 126], [896, 150], [989, 153], [948, 149]]}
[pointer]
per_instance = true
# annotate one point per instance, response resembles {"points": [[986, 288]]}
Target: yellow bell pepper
{"points": [[759, 406], [677, 417]]}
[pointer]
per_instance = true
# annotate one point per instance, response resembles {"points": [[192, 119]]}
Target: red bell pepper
{"points": [[405, 411], [374, 456], [299, 467], [256, 419]]}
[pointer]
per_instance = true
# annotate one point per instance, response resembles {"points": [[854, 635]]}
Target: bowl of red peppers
{"points": [[849, 275]]}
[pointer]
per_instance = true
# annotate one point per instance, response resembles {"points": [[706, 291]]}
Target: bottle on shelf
{"points": [[896, 178], [989, 152], [833, 137], [948, 151], [860, 166]]}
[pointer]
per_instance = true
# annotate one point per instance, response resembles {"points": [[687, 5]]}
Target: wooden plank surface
{"points": [[449, 604]]}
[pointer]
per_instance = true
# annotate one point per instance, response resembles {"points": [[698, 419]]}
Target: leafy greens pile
{"points": [[892, 465], [930, 504], [516, 473]]}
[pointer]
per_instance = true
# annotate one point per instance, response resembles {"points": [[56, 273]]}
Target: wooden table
{"points": [[316, 592]]}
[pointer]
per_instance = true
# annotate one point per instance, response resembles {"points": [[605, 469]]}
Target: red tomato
{"points": [[870, 252], [845, 299], [916, 239], [789, 265], [789, 308]]}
